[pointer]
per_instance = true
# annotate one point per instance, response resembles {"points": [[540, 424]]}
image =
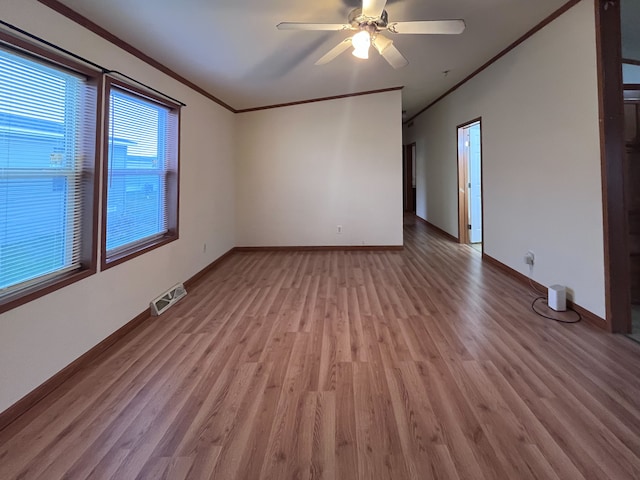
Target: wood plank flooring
{"points": [[416, 364]]}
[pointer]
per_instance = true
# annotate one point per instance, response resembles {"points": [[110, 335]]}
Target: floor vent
{"points": [[163, 302]]}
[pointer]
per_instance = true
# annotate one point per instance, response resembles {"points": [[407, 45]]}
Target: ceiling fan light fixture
{"points": [[361, 42]]}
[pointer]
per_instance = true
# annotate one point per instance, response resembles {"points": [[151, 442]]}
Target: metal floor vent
{"points": [[163, 302]]}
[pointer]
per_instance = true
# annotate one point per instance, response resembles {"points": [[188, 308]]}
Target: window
{"points": [[48, 117], [141, 173]]}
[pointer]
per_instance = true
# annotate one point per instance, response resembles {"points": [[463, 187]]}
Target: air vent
{"points": [[163, 302]]}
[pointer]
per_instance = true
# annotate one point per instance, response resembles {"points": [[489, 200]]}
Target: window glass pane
{"points": [[41, 165], [137, 170]]}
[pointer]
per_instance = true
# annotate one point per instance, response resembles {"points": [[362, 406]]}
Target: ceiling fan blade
{"points": [[437, 27], [373, 8], [312, 26], [335, 51], [389, 52]]}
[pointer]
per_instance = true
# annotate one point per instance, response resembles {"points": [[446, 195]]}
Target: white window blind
{"points": [[47, 134], [142, 150]]}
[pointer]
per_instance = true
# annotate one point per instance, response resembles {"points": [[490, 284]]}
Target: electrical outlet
{"points": [[529, 258], [339, 229]]}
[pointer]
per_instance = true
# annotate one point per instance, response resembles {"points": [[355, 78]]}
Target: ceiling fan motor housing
{"points": [[359, 21]]}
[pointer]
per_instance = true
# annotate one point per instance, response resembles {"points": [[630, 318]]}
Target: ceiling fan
{"points": [[369, 21]]}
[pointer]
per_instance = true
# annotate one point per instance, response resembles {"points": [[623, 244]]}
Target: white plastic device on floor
{"points": [[557, 298]]}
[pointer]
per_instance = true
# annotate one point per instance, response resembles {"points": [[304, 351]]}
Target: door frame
{"points": [[614, 211], [407, 168], [463, 181]]}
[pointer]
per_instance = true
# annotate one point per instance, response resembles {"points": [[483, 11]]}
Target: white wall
{"points": [[541, 157], [305, 169], [40, 338]]}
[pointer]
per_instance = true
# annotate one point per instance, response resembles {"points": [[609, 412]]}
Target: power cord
{"points": [[534, 290], [533, 307]]}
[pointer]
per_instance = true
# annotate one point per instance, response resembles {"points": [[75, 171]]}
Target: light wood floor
{"points": [[423, 363]]}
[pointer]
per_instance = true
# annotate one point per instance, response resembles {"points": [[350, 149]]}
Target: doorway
{"points": [[632, 197], [409, 177], [470, 218]]}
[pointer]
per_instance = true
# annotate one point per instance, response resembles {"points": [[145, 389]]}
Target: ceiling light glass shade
{"points": [[361, 42]]}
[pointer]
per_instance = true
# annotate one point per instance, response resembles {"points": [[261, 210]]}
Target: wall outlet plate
{"points": [[529, 258]]}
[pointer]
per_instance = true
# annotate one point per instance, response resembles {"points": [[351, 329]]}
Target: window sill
{"points": [[41, 289], [135, 251]]}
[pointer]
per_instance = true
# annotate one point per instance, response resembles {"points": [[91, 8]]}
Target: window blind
{"points": [[141, 152], [47, 137]]}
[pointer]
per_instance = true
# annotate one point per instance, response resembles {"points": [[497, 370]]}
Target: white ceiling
{"points": [[232, 49]]}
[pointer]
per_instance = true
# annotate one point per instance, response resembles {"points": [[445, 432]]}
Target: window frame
{"points": [[172, 184], [90, 173]]}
